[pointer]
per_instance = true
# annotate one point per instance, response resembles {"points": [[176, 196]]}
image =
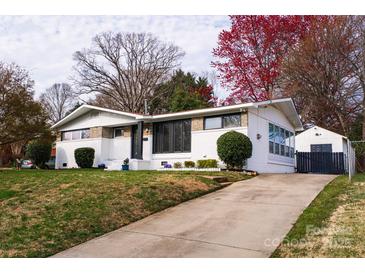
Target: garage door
{"points": [[321, 148]]}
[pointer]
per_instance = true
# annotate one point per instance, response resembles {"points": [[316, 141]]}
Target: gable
{"points": [[319, 133], [96, 118]]}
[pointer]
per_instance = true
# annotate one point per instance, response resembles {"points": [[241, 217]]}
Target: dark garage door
{"points": [[321, 148], [321, 162]]}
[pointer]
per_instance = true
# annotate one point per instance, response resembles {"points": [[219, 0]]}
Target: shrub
{"points": [[177, 165], [39, 153], [189, 164], [84, 157], [208, 163], [234, 148]]}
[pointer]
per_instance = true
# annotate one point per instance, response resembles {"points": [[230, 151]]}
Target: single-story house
{"points": [[317, 139], [151, 141]]}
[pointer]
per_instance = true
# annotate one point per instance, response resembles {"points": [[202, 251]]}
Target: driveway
{"points": [[245, 219]]}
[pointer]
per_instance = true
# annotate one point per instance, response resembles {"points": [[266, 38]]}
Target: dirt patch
{"points": [[189, 184], [64, 186]]}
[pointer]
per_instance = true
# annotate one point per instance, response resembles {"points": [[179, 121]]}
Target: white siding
{"points": [[120, 148], [105, 150], [261, 160], [65, 151], [204, 142]]}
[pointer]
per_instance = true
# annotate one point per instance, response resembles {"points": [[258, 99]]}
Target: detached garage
{"points": [[321, 151], [317, 139]]}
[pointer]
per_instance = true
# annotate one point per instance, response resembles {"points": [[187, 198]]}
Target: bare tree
{"points": [[103, 101], [57, 101], [127, 67], [321, 80], [354, 27]]}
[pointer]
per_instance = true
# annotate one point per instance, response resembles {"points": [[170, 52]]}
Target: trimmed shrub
{"points": [[189, 164], [208, 163], [177, 165], [39, 153], [234, 148], [84, 157]]}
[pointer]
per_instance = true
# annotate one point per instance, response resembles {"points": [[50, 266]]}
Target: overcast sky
{"points": [[44, 44]]}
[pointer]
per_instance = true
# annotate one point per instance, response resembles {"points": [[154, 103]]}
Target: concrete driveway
{"points": [[245, 219]]}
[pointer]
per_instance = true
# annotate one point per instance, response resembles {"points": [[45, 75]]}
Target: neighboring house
{"points": [[151, 141], [317, 139]]}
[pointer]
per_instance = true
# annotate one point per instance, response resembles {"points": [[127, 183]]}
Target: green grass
{"points": [[332, 226], [45, 212]]}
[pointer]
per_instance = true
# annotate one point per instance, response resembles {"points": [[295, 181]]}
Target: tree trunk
{"points": [[363, 112]]}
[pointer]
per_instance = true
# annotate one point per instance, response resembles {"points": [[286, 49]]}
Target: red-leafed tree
{"points": [[250, 53]]}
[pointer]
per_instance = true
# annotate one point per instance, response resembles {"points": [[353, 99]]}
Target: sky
{"points": [[44, 45]]}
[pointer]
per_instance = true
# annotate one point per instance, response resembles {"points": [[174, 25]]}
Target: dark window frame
{"points": [[159, 145], [222, 118], [121, 132]]}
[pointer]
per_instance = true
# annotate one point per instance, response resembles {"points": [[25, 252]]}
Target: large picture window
{"points": [[224, 121], [281, 141], [75, 134], [172, 136]]}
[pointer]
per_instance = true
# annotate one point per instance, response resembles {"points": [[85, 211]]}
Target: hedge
{"points": [[189, 164], [207, 163], [84, 157], [233, 149], [39, 153]]}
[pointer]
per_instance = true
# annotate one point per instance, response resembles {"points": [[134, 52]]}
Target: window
{"points": [[287, 143], [213, 122], [118, 132], [67, 135], [75, 134], [292, 144], [178, 133], [225, 121], [281, 141], [172, 137], [85, 133], [271, 138], [277, 140], [232, 120]]}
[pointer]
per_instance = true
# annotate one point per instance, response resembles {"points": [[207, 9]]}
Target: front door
{"points": [[134, 142], [137, 141]]}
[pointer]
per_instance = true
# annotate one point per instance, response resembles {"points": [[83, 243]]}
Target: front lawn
{"points": [[45, 212], [333, 225]]}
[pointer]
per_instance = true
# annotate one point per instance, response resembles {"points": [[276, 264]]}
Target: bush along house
{"points": [[154, 141]]}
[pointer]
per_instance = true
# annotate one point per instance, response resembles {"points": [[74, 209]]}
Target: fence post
{"points": [[349, 158]]}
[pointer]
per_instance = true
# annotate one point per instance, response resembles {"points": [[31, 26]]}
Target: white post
{"points": [[349, 158]]}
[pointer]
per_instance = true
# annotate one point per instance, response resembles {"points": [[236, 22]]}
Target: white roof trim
{"points": [[85, 108], [292, 114]]}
